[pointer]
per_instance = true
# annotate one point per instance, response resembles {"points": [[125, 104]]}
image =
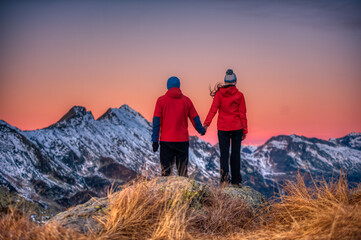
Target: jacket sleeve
{"points": [[242, 114], [213, 110], [193, 116], [156, 121]]}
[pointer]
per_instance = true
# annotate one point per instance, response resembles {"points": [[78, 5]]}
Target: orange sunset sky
{"points": [[298, 63]]}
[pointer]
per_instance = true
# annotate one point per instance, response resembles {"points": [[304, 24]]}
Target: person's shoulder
{"points": [[187, 99], [240, 93], [161, 99], [162, 96]]}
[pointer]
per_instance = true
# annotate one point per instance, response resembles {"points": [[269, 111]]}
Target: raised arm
{"points": [[213, 110]]}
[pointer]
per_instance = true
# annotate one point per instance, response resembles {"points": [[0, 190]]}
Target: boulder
{"points": [[85, 217], [248, 194]]}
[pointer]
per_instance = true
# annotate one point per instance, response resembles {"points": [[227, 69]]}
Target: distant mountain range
{"points": [[78, 157]]}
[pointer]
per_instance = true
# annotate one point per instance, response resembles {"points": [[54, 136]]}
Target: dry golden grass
{"points": [[326, 211], [15, 225], [146, 211]]}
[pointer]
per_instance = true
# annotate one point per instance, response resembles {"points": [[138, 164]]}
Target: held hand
{"points": [[155, 146], [205, 127], [205, 130], [244, 136]]}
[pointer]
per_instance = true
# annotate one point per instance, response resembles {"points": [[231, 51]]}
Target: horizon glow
{"points": [[298, 64]]}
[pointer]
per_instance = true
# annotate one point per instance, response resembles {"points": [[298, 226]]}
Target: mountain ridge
{"points": [[80, 156]]}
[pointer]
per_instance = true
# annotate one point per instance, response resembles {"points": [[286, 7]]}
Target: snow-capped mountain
{"points": [[78, 157], [282, 156], [353, 140]]}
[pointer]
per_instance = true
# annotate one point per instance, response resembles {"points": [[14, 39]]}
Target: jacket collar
{"points": [[228, 91], [174, 92]]}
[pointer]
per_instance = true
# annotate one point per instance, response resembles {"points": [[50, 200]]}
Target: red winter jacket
{"points": [[171, 117], [232, 110]]}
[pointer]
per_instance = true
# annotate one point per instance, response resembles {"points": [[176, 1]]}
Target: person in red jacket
{"points": [[170, 119], [231, 125]]}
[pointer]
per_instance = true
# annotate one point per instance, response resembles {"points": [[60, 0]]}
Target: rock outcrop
{"points": [[85, 217]]}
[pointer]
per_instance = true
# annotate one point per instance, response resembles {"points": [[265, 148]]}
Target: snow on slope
{"points": [[79, 157], [282, 156]]}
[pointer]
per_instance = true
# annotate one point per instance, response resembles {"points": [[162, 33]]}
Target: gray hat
{"points": [[230, 77]]}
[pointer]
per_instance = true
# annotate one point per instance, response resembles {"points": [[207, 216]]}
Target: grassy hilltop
{"points": [[180, 208]]}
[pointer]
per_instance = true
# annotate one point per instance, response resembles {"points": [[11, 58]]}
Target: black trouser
{"points": [[170, 151], [224, 138]]}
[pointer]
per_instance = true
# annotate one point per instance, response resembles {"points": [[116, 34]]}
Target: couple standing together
{"points": [[170, 121]]}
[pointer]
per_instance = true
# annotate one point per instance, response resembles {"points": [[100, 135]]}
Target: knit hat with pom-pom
{"points": [[230, 78]]}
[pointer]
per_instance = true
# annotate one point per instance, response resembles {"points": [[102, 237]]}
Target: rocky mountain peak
{"points": [[124, 115], [354, 134], [107, 115], [76, 115], [280, 141], [7, 125], [79, 157], [352, 140], [126, 109]]}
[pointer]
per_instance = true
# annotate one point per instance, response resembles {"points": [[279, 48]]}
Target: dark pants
{"points": [[224, 138], [174, 151]]}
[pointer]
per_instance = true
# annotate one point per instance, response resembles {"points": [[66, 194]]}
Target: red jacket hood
{"points": [[174, 92], [229, 91]]}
